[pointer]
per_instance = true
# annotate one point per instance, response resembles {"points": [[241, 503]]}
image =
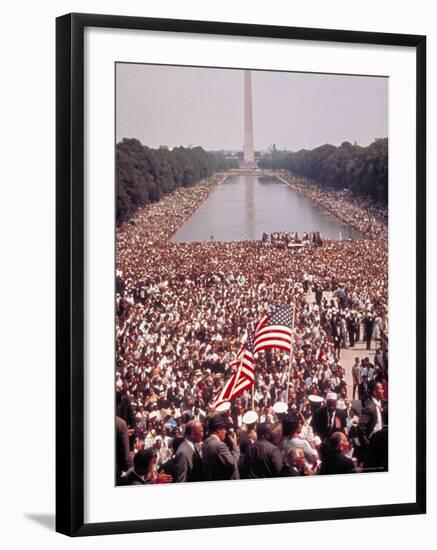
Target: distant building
{"points": [[271, 149]]}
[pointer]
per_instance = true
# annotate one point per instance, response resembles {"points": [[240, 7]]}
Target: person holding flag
{"points": [[243, 378], [274, 330]]}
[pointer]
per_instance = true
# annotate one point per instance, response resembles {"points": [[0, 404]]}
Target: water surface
{"points": [[245, 206]]}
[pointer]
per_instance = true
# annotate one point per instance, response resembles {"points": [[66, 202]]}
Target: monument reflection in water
{"points": [[245, 206]]}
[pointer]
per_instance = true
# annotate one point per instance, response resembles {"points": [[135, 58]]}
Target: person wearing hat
{"points": [[280, 409], [220, 461], [327, 419], [246, 436], [249, 419]]}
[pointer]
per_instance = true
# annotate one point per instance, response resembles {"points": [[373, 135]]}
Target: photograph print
{"points": [[251, 306]]}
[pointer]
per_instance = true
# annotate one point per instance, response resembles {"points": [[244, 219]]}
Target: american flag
{"points": [[244, 376], [275, 330]]}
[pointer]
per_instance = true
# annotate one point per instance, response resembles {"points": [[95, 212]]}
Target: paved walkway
{"points": [[347, 359], [347, 355]]}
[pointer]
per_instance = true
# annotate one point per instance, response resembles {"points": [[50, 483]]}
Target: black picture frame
{"points": [[70, 272]]}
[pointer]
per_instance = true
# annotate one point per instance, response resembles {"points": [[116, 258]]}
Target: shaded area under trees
{"points": [[143, 175], [362, 170]]}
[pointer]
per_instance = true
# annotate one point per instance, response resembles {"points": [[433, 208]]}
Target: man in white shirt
{"points": [[371, 417]]}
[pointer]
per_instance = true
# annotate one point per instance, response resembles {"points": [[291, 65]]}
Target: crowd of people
{"points": [[286, 239], [182, 312], [365, 215], [159, 220]]}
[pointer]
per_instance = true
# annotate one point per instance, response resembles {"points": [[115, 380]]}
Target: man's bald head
{"points": [[194, 431]]}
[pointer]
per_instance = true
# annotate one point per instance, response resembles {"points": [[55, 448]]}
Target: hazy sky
{"points": [[165, 105]]}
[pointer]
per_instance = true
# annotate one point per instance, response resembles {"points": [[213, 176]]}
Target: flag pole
{"points": [[254, 376], [237, 372], [253, 395], [291, 354]]}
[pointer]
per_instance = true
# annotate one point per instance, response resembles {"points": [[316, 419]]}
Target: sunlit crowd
{"points": [[286, 239], [182, 312], [368, 217]]}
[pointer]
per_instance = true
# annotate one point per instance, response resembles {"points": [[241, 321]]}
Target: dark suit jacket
{"points": [[291, 471], [368, 325], [377, 452], [123, 456], [218, 461], [126, 412], [320, 422], [187, 465], [335, 462], [263, 459], [132, 478], [368, 419], [363, 392]]}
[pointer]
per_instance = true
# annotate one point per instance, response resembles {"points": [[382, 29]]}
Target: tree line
{"points": [[144, 175], [363, 170]]}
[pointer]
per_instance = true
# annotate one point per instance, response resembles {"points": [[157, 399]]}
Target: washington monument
{"points": [[249, 160]]}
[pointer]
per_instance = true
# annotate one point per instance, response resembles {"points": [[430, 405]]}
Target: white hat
{"points": [[223, 407], [250, 417], [280, 407], [331, 396], [315, 398]]}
